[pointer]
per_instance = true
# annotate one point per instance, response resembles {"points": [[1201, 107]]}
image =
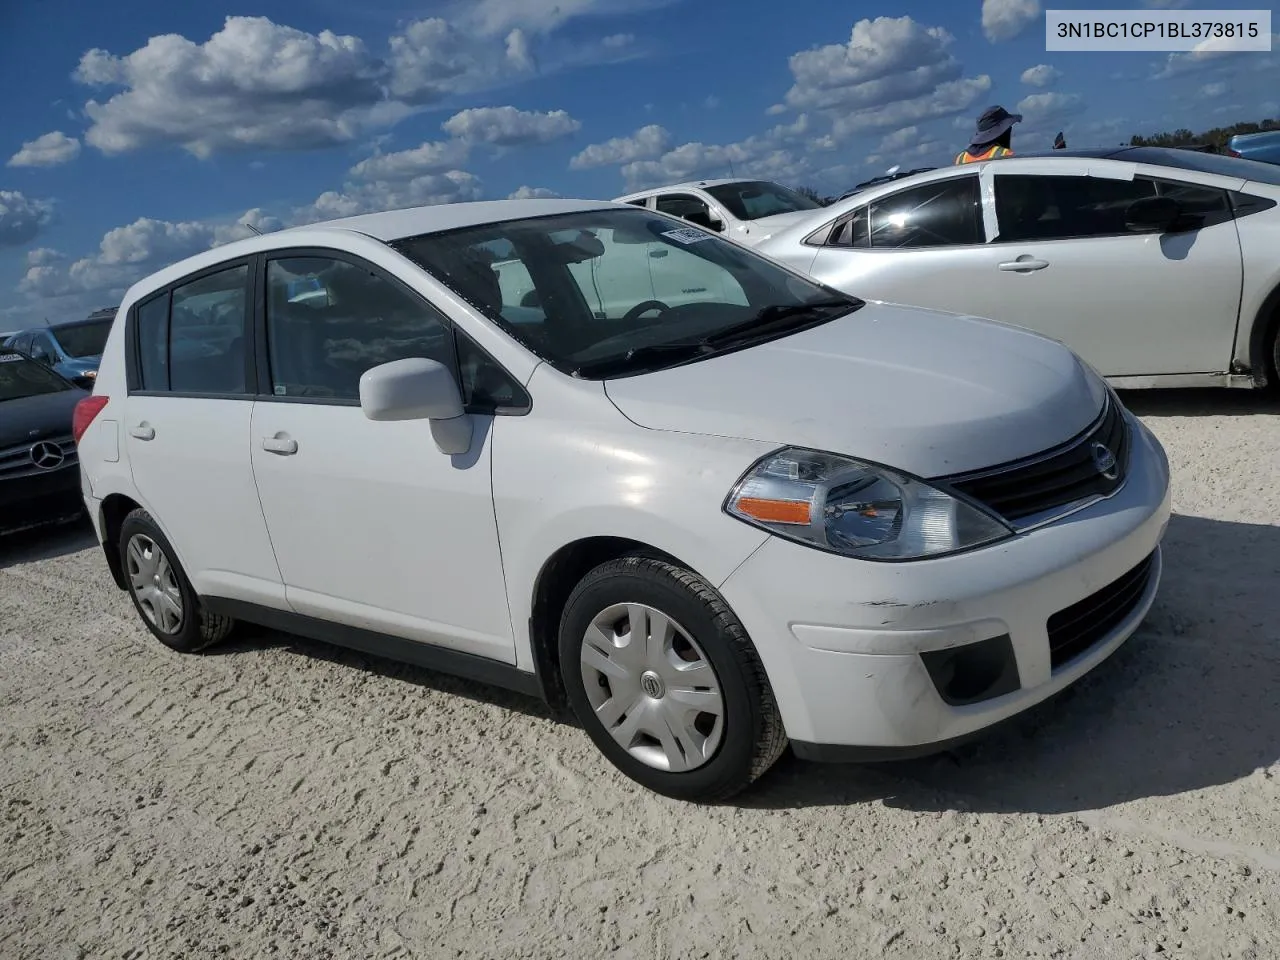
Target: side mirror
{"points": [[1152, 215], [418, 389]]}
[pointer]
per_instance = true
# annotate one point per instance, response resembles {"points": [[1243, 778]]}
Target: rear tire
{"points": [[160, 590], [688, 713]]}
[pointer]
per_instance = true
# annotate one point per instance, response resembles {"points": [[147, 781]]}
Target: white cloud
{"points": [[542, 16], [711, 101], [451, 187], [646, 143], [617, 40], [22, 218], [899, 139], [1209, 54], [127, 253], [533, 193], [43, 257], [948, 99], [48, 150], [1041, 75], [1213, 90], [1041, 108], [767, 156], [509, 127], [431, 157], [1005, 19], [886, 59]]}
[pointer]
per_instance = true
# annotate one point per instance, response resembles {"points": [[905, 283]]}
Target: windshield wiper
{"points": [[767, 320], [771, 318]]}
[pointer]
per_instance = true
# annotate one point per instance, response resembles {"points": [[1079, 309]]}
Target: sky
{"points": [[136, 133]]}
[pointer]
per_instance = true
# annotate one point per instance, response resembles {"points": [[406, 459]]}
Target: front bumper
{"points": [[36, 499], [879, 660]]}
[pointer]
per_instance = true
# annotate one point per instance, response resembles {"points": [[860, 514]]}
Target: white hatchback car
{"points": [[772, 515]]}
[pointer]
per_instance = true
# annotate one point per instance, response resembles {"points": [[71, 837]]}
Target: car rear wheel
{"points": [[161, 592], [666, 682]]}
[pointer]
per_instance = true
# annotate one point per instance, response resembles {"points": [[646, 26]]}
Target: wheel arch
{"points": [[559, 574], [1262, 338], [115, 507]]}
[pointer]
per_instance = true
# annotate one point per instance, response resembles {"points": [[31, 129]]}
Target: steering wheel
{"points": [[640, 309]]}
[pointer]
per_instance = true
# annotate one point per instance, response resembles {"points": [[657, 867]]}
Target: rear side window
{"points": [[1030, 207], [940, 214], [192, 339]]}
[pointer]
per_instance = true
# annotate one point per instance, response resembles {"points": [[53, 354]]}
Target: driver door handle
{"points": [[143, 431], [281, 445], [1016, 266]]}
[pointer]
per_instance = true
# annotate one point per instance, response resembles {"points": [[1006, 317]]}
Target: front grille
{"points": [[1077, 628], [17, 462], [1059, 478]]}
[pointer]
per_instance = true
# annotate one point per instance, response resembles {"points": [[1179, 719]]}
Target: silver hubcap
{"points": [[154, 584], [652, 687]]}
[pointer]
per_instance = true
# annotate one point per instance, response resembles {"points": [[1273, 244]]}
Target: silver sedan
{"points": [[1158, 266]]}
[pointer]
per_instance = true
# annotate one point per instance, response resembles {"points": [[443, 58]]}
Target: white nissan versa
{"points": [[770, 514]]}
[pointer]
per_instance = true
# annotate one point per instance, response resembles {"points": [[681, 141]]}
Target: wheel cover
{"points": [[652, 687], [154, 583]]}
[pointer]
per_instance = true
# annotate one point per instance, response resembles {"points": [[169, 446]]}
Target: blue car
{"points": [[72, 349], [1263, 146]]}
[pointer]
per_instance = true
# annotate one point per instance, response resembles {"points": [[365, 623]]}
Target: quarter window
{"points": [[943, 213], [192, 339], [206, 334], [329, 320]]}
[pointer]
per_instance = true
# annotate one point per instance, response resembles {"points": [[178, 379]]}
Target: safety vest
{"points": [[994, 153]]}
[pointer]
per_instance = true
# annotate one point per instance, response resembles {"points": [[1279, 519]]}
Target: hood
{"points": [[926, 392], [756, 230], [37, 418]]}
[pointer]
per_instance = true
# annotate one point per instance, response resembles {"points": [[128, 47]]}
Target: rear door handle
{"points": [[143, 431], [1017, 266], [281, 445]]}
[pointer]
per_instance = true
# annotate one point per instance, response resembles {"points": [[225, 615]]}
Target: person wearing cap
{"points": [[991, 140]]}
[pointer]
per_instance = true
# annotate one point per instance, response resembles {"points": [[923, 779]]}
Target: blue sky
{"points": [[137, 133]]}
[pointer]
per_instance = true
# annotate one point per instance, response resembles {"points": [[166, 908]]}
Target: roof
{"points": [[693, 185], [392, 225]]}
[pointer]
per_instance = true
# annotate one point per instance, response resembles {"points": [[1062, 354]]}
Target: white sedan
{"points": [[766, 514], [1157, 266]]}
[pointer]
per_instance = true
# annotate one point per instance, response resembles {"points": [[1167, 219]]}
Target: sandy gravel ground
{"points": [[285, 799]]}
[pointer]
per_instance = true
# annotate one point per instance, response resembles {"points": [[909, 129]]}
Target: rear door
{"points": [[1064, 264], [186, 431]]}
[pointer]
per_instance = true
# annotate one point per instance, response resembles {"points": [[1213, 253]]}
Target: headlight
{"points": [[846, 506], [90, 374]]}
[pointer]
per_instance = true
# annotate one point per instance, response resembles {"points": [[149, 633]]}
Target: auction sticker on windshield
{"points": [[10, 357], [687, 235]]}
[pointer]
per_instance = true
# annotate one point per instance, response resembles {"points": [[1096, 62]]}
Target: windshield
{"points": [[83, 339], [21, 377], [586, 290], [1215, 163], [754, 199]]}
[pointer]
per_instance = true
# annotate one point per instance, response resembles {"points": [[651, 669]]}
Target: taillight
{"points": [[86, 410], [1233, 153]]}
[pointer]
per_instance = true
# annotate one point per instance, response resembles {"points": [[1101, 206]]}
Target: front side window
{"points": [[686, 207], [753, 199], [330, 320], [84, 339], [938, 214], [21, 377], [621, 289]]}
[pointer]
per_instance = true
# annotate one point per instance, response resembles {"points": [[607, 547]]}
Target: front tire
{"points": [[161, 592], [665, 681]]}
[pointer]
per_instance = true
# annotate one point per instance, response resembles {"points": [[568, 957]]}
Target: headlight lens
{"points": [[846, 506]]}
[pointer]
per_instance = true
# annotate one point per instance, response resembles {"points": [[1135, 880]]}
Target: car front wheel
{"points": [[161, 592], [666, 682]]}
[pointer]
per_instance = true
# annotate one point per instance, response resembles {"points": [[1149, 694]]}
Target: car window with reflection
{"points": [[581, 288], [753, 199], [83, 339]]}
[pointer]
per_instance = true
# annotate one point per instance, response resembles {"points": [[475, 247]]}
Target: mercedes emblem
{"points": [[47, 456]]}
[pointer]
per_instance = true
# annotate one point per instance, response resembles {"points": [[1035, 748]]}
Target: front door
{"points": [[186, 434], [1130, 304], [373, 526]]}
